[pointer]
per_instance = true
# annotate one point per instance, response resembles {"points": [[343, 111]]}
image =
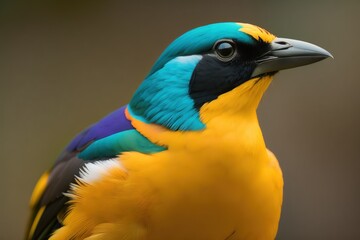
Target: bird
{"points": [[185, 159]]}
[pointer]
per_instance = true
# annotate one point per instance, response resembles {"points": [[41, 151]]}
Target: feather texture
{"points": [[105, 139], [129, 140], [167, 102], [202, 40]]}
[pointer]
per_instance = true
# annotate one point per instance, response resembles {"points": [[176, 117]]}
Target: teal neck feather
{"points": [[163, 98]]}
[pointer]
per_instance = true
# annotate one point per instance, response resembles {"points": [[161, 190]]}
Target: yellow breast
{"points": [[220, 183], [208, 193], [213, 184]]}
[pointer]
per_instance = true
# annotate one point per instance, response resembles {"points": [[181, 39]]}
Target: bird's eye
{"points": [[225, 50]]}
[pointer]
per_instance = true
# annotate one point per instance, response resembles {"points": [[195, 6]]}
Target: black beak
{"points": [[288, 53]]}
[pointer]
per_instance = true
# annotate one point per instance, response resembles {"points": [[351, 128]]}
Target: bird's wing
{"points": [[103, 140]]}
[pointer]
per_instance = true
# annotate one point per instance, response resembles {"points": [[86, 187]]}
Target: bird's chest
{"points": [[214, 196]]}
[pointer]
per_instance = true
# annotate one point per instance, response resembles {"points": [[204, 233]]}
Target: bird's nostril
{"points": [[281, 44]]}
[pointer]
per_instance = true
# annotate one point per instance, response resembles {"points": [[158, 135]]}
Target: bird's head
{"points": [[217, 69]]}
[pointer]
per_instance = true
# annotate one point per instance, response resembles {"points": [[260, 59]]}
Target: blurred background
{"points": [[66, 64]]}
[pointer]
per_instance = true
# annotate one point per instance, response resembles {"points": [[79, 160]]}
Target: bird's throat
{"points": [[230, 119], [241, 101]]}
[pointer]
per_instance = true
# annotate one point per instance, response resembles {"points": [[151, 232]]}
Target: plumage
{"points": [[185, 159], [125, 141], [103, 140], [113, 123], [168, 103]]}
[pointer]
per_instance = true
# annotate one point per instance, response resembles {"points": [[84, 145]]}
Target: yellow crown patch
{"points": [[256, 32]]}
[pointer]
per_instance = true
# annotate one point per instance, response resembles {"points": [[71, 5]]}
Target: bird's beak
{"points": [[287, 53]]}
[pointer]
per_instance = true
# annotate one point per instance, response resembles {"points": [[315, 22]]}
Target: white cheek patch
{"points": [[93, 171]]}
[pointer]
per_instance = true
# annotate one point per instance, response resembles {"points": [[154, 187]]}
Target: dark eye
{"points": [[225, 50]]}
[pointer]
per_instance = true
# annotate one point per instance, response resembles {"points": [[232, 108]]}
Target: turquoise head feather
{"points": [[171, 95]]}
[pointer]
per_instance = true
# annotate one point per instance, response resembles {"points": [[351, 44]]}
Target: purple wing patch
{"points": [[113, 123], [68, 165]]}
